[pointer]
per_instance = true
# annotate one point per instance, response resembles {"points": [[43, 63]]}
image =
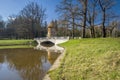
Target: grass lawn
{"points": [[15, 43], [15, 46], [90, 59]]}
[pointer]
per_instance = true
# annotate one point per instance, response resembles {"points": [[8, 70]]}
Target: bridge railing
{"points": [[60, 37], [43, 38]]}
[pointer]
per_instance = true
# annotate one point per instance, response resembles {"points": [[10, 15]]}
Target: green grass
{"points": [[15, 43], [15, 46], [90, 59]]}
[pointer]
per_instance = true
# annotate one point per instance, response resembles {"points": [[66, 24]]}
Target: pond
{"points": [[26, 63]]}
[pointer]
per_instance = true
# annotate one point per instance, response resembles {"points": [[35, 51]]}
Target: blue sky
{"points": [[10, 7]]}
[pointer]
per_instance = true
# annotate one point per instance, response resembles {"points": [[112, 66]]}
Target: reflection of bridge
{"points": [[54, 48], [55, 40]]}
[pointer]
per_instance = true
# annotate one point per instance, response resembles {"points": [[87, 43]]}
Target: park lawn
{"points": [[89, 59], [16, 44]]}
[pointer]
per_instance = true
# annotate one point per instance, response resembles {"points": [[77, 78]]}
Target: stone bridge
{"points": [[55, 40]]}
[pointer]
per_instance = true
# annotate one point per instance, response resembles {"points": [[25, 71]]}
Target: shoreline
{"points": [[55, 65], [15, 47]]}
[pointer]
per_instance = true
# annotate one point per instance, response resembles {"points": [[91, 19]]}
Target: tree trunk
{"points": [[73, 33], [110, 33], [84, 16], [67, 29], [33, 29], [103, 23], [93, 30]]}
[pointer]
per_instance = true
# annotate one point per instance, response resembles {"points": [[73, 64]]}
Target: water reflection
{"points": [[25, 64], [51, 51]]}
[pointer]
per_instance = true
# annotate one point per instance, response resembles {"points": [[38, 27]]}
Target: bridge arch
{"points": [[47, 43]]}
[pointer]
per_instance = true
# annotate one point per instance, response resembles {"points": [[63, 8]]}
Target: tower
{"points": [[49, 28]]}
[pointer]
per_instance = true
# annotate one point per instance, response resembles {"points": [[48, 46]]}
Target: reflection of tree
{"points": [[30, 63], [27, 62], [1, 58]]}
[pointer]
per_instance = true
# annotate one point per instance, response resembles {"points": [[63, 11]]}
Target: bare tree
{"points": [[111, 27], [35, 15], [105, 5], [84, 4], [2, 27], [2, 23], [69, 10], [92, 14]]}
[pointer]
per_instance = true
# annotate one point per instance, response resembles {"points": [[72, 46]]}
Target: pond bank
{"points": [[89, 59], [55, 65]]}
